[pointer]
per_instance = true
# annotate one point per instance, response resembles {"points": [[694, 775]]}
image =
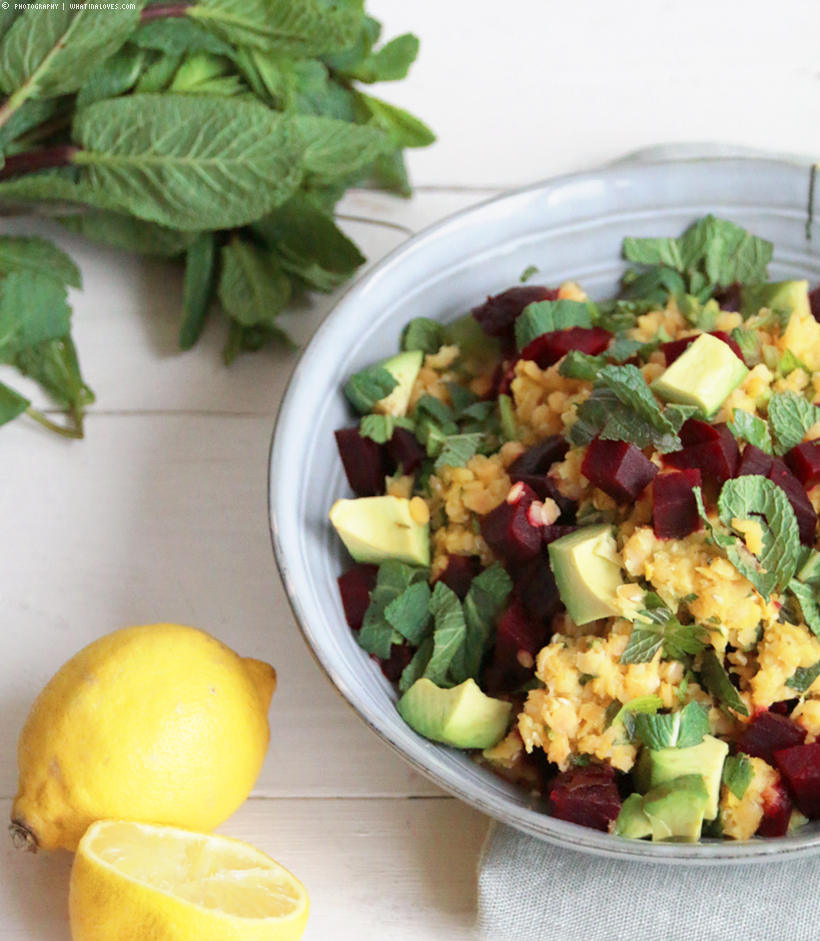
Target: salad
{"points": [[584, 539]]}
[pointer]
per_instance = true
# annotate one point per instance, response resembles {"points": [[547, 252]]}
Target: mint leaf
{"points": [[803, 677], [640, 705], [369, 386], [129, 234], [424, 334], [253, 287], [747, 427], [682, 639], [404, 129], [749, 344], [694, 725], [12, 404], [546, 316], [390, 63], [457, 450], [198, 288], [449, 633], [486, 599], [415, 669], [177, 35], [33, 308], [664, 631], [724, 252], [439, 411], [380, 428], [578, 365], [789, 362], [188, 162], [658, 731], [644, 643], [37, 256], [809, 606], [117, 75], [377, 634], [737, 774], [51, 52], [53, 365], [337, 149], [650, 251], [409, 614], [715, 680], [756, 498], [790, 417]]}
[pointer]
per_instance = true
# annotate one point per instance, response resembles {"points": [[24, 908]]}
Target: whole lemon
{"points": [[158, 723]]}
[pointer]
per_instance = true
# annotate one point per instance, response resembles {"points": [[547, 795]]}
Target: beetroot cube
{"points": [[800, 766], [804, 462], [711, 449], [539, 596], [674, 508], [754, 461], [507, 529], [796, 492], [767, 733], [777, 811], [393, 666], [355, 586], [504, 375], [497, 315], [730, 298], [540, 457], [586, 796], [617, 468], [405, 450], [460, 572], [517, 642], [551, 533], [365, 462], [550, 347]]}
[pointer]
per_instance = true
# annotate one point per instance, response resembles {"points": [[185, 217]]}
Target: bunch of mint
{"points": [[223, 132]]}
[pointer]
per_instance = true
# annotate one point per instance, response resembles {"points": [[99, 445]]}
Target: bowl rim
{"points": [[562, 833]]}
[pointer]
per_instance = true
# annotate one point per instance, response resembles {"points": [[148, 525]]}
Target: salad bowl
{"points": [[570, 228]]}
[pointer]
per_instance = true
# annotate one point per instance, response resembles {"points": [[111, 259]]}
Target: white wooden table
{"points": [[160, 513]]}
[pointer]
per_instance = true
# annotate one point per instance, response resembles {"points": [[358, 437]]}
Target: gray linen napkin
{"points": [[529, 890]]}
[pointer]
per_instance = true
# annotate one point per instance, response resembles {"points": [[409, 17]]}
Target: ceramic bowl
{"points": [[571, 227]]}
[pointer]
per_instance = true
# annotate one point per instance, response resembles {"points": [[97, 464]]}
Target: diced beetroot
{"points": [[711, 449], [405, 450], [517, 642], [777, 811], [400, 657], [617, 468], [783, 707], [804, 462], [754, 461], [355, 586], [497, 315], [539, 596], [800, 766], [460, 572], [507, 529], [366, 463], [814, 302], [540, 457], [550, 347], [730, 298], [551, 533], [767, 733], [796, 492], [586, 796], [674, 508], [675, 348], [504, 375]]}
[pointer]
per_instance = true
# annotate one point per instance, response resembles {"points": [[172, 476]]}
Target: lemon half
{"points": [[136, 882]]}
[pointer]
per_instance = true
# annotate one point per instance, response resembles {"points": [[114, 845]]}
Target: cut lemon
{"points": [[137, 882]]}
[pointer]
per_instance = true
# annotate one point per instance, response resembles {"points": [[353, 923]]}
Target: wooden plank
{"points": [[164, 518], [374, 869]]}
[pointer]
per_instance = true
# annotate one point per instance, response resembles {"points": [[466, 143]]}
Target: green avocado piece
{"points": [[632, 822], [788, 296], [403, 367], [676, 808], [587, 572], [705, 375], [462, 716], [667, 764], [378, 528]]}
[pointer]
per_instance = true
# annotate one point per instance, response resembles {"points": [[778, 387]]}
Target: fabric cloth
{"points": [[529, 890]]}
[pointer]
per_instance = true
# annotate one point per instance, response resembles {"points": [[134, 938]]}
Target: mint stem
{"points": [[31, 161], [162, 10], [65, 431]]}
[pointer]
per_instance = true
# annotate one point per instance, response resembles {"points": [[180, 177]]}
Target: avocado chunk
{"points": [[802, 333], [462, 716], [377, 528], [587, 571], [403, 367], [705, 375], [632, 822], [788, 296], [676, 808], [655, 767]]}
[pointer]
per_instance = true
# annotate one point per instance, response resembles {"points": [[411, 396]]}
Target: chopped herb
{"points": [[485, 600], [803, 677], [790, 417], [409, 614], [747, 427], [457, 450], [380, 428], [369, 386], [809, 606], [547, 316], [423, 334], [737, 774], [716, 680], [527, 273], [789, 362], [448, 635], [377, 634]]}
